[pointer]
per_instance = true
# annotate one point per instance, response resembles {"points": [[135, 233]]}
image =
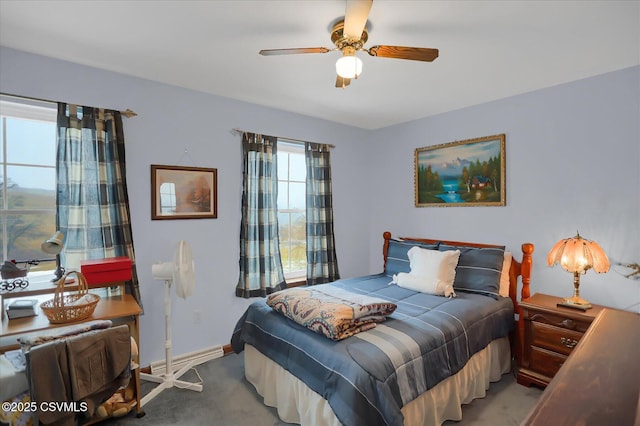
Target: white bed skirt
{"points": [[296, 403]]}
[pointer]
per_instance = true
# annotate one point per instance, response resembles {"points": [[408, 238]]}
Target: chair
{"points": [[74, 374]]}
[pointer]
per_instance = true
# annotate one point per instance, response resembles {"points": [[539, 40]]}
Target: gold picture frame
{"points": [[183, 192], [464, 173]]}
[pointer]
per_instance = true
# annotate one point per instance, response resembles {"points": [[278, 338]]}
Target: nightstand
{"points": [[550, 334]]}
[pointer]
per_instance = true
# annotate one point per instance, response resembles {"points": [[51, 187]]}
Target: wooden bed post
{"points": [[385, 248], [525, 293], [527, 262]]}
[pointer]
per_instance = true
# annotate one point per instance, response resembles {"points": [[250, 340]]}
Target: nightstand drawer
{"points": [[561, 321], [554, 338], [546, 362]]}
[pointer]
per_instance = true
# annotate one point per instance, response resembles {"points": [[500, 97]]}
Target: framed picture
{"points": [[183, 192], [463, 174]]}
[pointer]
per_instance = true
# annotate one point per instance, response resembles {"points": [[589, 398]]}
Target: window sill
{"points": [[296, 282]]}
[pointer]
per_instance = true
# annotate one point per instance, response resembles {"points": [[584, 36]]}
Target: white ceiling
{"points": [[488, 49]]}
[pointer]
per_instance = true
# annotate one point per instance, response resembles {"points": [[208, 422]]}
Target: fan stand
{"points": [[169, 379]]}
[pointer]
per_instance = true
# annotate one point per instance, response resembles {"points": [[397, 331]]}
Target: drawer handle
{"points": [[570, 343]]}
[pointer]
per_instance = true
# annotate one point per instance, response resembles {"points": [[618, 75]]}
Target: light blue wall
{"points": [[573, 163], [573, 156], [171, 120]]}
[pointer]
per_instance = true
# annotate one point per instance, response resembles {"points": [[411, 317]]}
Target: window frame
{"points": [[295, 147], [31, 110]]}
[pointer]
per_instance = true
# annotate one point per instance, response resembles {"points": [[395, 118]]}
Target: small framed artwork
{"points": [[463, 173], [183, 192]]}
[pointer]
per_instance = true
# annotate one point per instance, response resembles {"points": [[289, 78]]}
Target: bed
{"points": [[430, 356]]}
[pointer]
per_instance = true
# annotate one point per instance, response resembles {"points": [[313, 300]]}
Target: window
{"points": [[168, 198], [27, 180], [292, 175]]}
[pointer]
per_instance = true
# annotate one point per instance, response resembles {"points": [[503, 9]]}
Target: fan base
{"points": [[170, 380], [338, 38]]}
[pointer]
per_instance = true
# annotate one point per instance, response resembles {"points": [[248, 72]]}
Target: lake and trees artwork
{"points": [[461, 173]]}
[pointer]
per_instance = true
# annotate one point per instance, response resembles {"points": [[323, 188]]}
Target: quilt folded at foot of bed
{"points": [[329, 311]]}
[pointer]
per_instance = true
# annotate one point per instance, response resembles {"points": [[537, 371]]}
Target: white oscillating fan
{"points": [[181, 273]]}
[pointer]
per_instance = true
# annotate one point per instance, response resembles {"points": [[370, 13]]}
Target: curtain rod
{"points": [[127, 113], [282, 137]]}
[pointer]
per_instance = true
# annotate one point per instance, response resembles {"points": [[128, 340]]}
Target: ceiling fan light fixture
{"points": [[349, 66], [349, 35]]}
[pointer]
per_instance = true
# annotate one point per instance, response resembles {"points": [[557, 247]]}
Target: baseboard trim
{"points": [[194, 358], [226, 350]]}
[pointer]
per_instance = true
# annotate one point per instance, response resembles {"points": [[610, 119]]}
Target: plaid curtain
{"points": [[261, 270], [322, 263], [92, 200]]}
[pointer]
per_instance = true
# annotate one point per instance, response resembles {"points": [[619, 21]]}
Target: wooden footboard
{"points": [[520, 269]]}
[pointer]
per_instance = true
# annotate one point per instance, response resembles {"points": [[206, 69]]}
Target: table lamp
{"points": [[577, 256], [54, 245]]}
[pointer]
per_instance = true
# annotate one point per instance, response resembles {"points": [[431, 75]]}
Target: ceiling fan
{"points": [[349, 36]]}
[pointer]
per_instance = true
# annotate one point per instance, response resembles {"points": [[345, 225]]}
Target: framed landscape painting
{"points": [[463, 173], [183, 192]]}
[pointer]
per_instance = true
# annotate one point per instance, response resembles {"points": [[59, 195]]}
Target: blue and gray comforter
{"points": [[369, 377]]}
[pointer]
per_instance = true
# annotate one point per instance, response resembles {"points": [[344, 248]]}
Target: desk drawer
{"points": [[554, 338], [546, 362]]}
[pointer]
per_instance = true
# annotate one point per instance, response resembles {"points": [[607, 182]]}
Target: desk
{"points": [[109, 308], [43, 284], [600, 382], [122, 309]]}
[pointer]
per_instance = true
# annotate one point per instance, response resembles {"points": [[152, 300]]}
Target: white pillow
{"points": [[441, 264], [432, 271], [504, 276], [423, 284]]}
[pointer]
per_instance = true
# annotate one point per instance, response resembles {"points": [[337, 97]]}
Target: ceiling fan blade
{"points": [[271, 52], [342, 82], [402, 52], [355, 18]]}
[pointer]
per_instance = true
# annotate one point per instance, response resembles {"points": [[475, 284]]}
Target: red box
{"points": [[109, 270]]}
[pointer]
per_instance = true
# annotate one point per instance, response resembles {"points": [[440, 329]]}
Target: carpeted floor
{"points": [[229, 400]]}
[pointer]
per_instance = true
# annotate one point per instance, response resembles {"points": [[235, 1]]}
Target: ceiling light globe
{"points": [[349, 66]]}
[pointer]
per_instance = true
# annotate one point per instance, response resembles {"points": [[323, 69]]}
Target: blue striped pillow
{"points": [[397, 258], [478, 270]]}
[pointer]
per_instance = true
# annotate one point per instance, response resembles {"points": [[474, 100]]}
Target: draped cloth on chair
{"points": [[261, 270], [92, 199], [322, 262]]}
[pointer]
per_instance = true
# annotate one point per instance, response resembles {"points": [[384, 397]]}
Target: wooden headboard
{"points": [[518, 269]]}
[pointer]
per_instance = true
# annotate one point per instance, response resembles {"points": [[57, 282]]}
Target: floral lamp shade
{"points": [[577, 255]]}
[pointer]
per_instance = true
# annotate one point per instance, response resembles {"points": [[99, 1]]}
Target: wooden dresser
{"points": [[600, 382], [550, 335]]}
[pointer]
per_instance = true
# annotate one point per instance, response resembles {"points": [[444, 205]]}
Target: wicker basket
{"points": [[72, 307]]}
